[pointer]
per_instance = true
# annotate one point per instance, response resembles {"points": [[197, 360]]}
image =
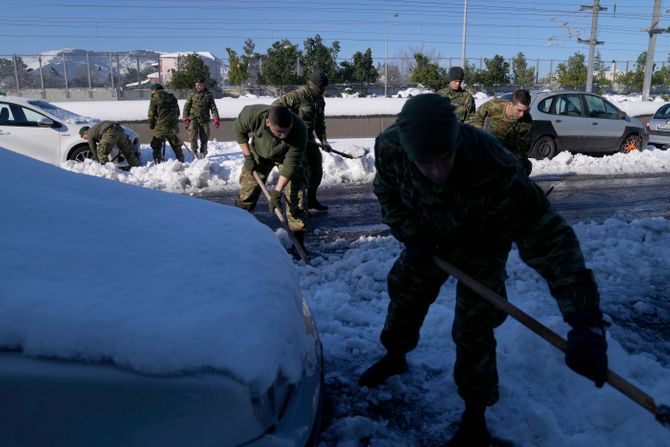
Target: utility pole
{"points": [[465, 27], [592, 41], [649, 64]]}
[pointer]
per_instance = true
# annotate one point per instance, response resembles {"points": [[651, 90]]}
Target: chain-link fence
{"points": [[82, 75]]}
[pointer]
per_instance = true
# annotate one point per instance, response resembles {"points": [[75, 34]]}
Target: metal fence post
{"points": [[88, 71], [44, 93], [16, 76], [67, 85]]}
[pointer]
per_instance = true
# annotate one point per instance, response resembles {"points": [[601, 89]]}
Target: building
{"points": [[169, 62]]}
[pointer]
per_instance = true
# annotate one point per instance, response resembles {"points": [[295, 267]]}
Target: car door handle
{"points": [[594, 123], [559, 121]]}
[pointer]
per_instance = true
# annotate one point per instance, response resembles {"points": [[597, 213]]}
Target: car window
{"points": [[568, 105], [545, 105], [599, 108], [663, 113]]}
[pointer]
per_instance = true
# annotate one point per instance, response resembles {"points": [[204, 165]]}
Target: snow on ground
{"points": [[542, 402]]}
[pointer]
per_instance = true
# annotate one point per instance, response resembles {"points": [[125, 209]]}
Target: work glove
{"points": [[418, 251], [249, 164], [186, 120], [275, 200], [326, 147], [216, 122], [587, 348]]}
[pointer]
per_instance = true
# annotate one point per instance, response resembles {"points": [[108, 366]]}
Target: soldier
{"points": [[460, 99], [307, 102], [198, 105], [164, 120], [510, 122], [278, 138], [449, 190], [104, 136]]}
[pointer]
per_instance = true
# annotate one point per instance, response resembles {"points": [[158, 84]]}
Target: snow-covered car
{"points": [[44, 131], [658, 127], [582, 123], [152, 334]]}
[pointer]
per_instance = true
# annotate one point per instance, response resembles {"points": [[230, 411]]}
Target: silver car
{"points": [[658, 127], [49, 133], [581, 122]]}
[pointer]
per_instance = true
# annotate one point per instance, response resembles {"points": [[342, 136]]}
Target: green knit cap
{"points": [[156, 86], [428, 127]]}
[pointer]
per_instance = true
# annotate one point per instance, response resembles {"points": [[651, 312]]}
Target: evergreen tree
{"points": [[496, 72], [237, 70], [572, 73], [428, 73], [252, 60], [522, 75], [635, 78], [280, 65], [190, 68], [363, 71], [8, 76], [318, 57]]}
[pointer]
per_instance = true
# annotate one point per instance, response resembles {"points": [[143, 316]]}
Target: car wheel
{"points": [[545, 147], [632, 142], [80, 153]]}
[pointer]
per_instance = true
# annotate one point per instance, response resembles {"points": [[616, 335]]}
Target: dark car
{"points": [[581, 122], [658, 127]]}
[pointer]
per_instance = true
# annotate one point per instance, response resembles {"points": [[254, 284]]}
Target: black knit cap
{"points": [[320, 79], [456, 74], [83, 130], [428, 127], [156, 86]]}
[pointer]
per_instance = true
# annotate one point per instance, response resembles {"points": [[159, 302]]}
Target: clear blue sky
{"points": [[545, 30]]}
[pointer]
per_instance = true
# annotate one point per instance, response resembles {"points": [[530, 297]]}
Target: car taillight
{"points": [[647, 126]]}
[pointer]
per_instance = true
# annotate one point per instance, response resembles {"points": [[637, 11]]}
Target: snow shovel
{"points": [[343, 154], [190, 151], [661, 412], [283, 222]]}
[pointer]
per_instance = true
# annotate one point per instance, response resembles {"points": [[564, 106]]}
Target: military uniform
{"points": [[197, 109], [103, 136], [268, 152], [471, 221], [463, 101], [309, 105], [516, 135], [164, 120]]}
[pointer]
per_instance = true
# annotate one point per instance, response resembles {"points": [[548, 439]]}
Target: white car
{"points": [[119, 334], [41, 130]]}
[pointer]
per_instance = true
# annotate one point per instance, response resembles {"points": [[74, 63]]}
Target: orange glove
{"points": [[216, 122]]}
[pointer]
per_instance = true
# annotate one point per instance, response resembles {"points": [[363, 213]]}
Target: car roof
{"points": [[16, 99]]}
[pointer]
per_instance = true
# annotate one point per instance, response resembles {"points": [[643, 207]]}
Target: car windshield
{"points": [[61, 114]]}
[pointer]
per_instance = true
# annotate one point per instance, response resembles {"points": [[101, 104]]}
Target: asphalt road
{"points": [[354, 211]]}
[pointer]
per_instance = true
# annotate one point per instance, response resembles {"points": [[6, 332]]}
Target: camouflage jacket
{"points": [[96, 132], [309, 106], [164, 113], [515, 135], [250, 125], [487, 203], [199, 104], [461, 100]]}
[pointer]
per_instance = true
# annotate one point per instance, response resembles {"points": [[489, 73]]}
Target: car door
{"points": [[27, 132], [571, 128], [606, 124]]}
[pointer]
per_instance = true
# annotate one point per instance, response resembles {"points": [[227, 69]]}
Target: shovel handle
{"points": [[282, 220], [662, 412]]}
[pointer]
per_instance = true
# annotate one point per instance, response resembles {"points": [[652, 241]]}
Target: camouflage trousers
{"points": [[115, 136], [314, 162], [158, 141], [412, 290], [294, 193], [198, 129]]}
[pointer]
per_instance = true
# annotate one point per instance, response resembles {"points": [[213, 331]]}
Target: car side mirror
{"points": [[45, 122], [622, 115]]}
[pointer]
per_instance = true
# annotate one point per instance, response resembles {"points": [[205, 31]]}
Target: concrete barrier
{"points": [[337, 127]]}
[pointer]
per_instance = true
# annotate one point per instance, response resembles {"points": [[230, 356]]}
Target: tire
{"points": [[80, 153], [544, 147], [632, 142]]}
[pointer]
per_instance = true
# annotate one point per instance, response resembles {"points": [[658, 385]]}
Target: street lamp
{"points": [[386, 59]]}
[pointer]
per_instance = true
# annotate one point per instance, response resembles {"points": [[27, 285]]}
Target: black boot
{"points": [[314, 204], [390, 365], [472, 431]]}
